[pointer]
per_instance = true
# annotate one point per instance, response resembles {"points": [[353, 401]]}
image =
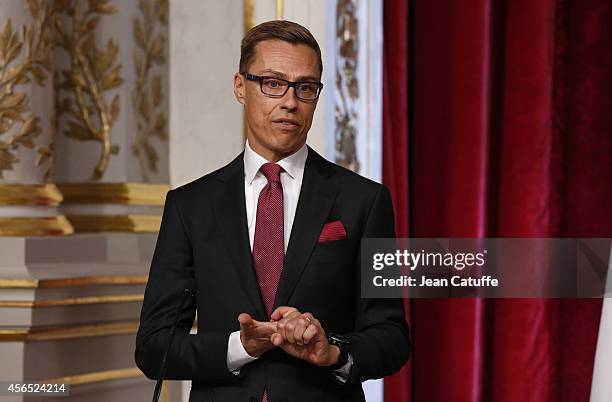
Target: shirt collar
{"points": [[293, 164]]}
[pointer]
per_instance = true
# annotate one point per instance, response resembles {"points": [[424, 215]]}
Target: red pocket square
{"points": [[332, 231]]}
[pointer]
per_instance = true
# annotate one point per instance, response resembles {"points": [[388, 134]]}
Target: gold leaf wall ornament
{"points": [[46, 153], [93, 72], [147, 95], [347, 84], [18, 125]]}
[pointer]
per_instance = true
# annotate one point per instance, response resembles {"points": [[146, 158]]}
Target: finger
{"points": [[286, 326], [312, 321], [292, 322], [276, 339], [310, 333], [281, 311], [309, 316], [278, 312], [282, 323], [288, 329], [263, 328], [302, 323], [272, 326], [246, 321]]}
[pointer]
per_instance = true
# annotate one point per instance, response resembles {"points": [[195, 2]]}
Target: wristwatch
{"points": [[344, 344]]}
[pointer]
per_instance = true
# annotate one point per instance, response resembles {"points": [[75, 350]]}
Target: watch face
{"points": [[338, 339]]}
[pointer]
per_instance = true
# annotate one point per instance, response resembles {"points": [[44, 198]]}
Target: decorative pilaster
{"points": [[355, 78], [83, 148], [28, 205], [113, 114]]}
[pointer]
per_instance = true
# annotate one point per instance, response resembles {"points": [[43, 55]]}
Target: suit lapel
{"points": [[317, 196], [229, 204]]}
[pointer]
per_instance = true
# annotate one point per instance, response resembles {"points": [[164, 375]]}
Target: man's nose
{"points": [[289, 100]]}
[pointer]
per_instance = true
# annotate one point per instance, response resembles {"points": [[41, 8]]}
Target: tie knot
{"points": [[272, 171]]}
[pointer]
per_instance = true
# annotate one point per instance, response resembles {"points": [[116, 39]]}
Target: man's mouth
{"points": [[287, 122]]}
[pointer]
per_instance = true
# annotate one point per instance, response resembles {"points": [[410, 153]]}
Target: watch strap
{"points": [[344, 345]]}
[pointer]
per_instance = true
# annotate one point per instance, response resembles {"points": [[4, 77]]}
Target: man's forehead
{"points": [[276, 56]]}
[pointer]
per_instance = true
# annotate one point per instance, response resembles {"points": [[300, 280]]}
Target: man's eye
{"points": [[273, 83], [306, 88]]}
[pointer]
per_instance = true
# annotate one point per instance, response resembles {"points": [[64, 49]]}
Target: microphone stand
{"points": [[162, 369]]}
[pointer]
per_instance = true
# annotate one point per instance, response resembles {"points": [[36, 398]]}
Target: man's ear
{"points": [[239, 88]]}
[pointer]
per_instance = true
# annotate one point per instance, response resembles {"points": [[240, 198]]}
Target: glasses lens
{"points": [[273, 86], [307, 90]]}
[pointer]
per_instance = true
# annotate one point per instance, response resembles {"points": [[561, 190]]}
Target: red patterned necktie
{"points": [[269, 241]]}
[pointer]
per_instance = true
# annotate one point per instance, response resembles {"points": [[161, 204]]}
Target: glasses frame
{"points": [[290, 84]]}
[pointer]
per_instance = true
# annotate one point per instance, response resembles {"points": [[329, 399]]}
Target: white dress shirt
{"points": [[291, 179], [254, 181]]}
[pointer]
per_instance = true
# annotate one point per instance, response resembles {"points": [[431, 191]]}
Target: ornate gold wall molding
{"points": [[68, 332], [147, 96], [35, 226], [249, 15], [93, 71], [141, 194], [109, 280], [47, 153], [34, 45], [97, 376], [133, 223], [72, 301], [18, 283], [46, 195], [114, 193], [24, 334], [347, 84]]}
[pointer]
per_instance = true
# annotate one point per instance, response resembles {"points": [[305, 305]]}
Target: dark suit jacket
{"points": [[204, 241]]}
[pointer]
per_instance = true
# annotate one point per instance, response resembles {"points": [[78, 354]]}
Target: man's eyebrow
{"points": [[274, 73], [278, 74], [307, 78]]}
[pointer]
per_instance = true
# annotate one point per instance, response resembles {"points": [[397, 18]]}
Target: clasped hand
{"points": [[298, 334]]}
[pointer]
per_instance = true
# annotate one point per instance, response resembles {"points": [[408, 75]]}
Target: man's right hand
{"points": [[255, 335]]}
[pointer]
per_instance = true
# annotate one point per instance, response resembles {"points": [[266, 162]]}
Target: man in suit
{"points": [[270, 245]]}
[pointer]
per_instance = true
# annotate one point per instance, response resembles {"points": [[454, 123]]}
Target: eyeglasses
{"points": [[277, 87]]}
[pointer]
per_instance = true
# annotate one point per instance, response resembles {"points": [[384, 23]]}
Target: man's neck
{"points": [[269, 155]]}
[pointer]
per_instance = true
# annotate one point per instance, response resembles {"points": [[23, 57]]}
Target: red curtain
{"points": [[395, 142], [504, 111]]}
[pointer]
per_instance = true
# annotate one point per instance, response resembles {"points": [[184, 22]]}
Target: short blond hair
{"points": [[286, 31]]}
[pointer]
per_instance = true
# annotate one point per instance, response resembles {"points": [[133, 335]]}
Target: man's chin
{"points": [[287, 149], [287, 142]]}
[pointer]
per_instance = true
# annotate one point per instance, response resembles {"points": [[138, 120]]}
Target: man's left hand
{"points": [[301, 335]]}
